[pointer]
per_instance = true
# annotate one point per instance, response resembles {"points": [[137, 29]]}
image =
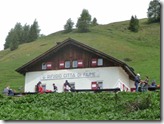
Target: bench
{"points": [[96, 90], [149, 89]]}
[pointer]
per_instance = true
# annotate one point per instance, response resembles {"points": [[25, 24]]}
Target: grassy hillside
{"points": [[142, 48]]}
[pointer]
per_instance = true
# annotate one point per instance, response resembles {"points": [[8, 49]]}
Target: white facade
{"points": [[110, 77]]}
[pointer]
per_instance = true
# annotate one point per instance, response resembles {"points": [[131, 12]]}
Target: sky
{"points": [[52, 15]]}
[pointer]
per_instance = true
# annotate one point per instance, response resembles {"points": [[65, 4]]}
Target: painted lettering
{"points": [[86, 74]]}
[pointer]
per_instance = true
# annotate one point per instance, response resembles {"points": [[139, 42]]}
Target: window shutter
{"points": [[49, 65], [61, 64], [80, 63], [94, 85], [94, 63]]}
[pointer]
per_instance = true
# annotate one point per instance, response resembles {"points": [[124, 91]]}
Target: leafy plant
{"points": [[82, 106]]}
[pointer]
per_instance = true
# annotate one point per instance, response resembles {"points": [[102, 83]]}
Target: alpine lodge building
{"points": [[82, 66]]}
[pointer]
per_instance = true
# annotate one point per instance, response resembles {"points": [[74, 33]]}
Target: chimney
{"points": [[58, 43]]}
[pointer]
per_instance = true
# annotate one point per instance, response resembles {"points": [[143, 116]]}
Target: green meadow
{"points": [[139, 50]]}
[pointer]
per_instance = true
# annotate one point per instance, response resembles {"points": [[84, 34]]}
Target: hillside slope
{"points": [[140, 50]]}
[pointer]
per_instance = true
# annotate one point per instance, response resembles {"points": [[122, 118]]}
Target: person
{"points": [[67, 86], [147, 79], [145, 86], [11, 92], [39, 87], [98, 86], [6, 90], [142, 83], [137, 81], [55, 87], [153, 84]]}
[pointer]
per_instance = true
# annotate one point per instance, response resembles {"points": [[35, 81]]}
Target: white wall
{"points": [[81, 77]]}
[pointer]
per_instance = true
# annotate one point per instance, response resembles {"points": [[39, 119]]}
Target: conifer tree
{"points": [[68, 26], [14, 40], [94, 22], [134, 24], [8, 39], [34, 31], [25, 33], [154, 11], [14, 37], [21, 34], [18, 31], [84, 21]]}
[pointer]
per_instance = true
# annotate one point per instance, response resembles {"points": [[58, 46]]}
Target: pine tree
{"points": [[8, 39], [14, 40], [18, 30], [134, 24], [94, 22], [154, 11], [25, 34], [68, 26], [14, 37], [14, 45], [34, 31], [84, 21], [21, 34]]}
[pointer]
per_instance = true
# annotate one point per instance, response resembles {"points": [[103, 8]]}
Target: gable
{"points": [[70, 51]]}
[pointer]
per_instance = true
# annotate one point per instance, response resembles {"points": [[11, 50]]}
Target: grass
{"points": [[142, 48]]}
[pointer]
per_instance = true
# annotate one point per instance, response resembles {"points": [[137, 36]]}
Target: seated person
{"points": [[6, 90], [153, 84], [145, 86], [142, 84], [39, 87], [67, 86], [55, 87], [11, 92]]}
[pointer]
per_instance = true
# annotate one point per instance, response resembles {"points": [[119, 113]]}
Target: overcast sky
{"points": [[53, 14]]}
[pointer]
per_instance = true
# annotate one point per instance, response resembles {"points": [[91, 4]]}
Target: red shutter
{"points": [[61, 64], [49, 65], [132, 89], [80, 63], [94, 63], [94, 85]]}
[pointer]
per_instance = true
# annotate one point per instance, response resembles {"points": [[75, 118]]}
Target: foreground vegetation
{"points": [[82, 106]]}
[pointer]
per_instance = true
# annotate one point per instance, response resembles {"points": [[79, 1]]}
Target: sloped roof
{"points": [[129, 70]]}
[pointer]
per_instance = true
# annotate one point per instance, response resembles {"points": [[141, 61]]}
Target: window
{"points": [[74, 64], [47, 66], [97, 85], [100, 62], [72, 85], [100, 84], [67, 64], [44, 66]]}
